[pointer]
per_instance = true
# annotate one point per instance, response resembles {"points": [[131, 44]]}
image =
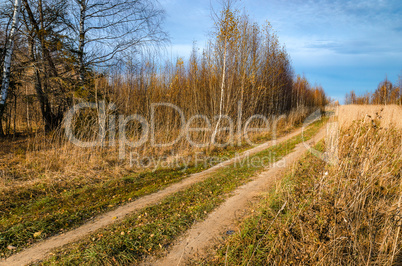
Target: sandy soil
{"points": [[42, 249], [205, 234]]}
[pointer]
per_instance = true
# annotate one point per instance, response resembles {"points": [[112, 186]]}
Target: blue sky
{"points": [[341, 44]]}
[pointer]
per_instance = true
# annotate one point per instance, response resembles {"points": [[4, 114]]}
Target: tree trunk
{"points": [[52, 120], [81, 43], [39, 32], [15, 115], [2, 107], [27, 106], [7, 60], [222, 90]]}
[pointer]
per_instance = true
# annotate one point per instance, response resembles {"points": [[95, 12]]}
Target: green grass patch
{"points": [[66, 208]]}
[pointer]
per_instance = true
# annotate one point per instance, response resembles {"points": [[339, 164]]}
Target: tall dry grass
{"points": [[391, 115], [54, 160], [347, 214], [366, 188]]}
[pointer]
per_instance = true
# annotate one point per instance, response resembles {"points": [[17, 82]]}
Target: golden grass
{"points": [[346, 214], [390, 114], [44, 159], [59, 186]]}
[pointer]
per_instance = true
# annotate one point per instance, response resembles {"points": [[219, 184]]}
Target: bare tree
{"points": [[383, 93], [63, 39], [7, 60], [106, 29], [48, 49]]}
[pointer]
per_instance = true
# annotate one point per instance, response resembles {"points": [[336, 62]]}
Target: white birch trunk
{"points": [[222, 92], [9, 52]]}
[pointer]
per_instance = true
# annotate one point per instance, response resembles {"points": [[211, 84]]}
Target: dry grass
{"points": [[348, 214], [68, 185], [154, 229], [390, 114], [52, 159]]}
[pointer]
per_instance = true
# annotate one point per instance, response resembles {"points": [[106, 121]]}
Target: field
{"points": [[297, 210], [39, 201], [388, 115], [321, 214]]}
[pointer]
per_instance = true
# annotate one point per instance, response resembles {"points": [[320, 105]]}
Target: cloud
{"points": [[338, 29], [354, 47]]}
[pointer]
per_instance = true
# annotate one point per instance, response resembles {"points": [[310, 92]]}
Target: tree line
{"points": [[386, 93], [69, 51]]}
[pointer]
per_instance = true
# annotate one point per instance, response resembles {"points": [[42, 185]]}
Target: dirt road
{"points": [[42, 249], [204, 234]]}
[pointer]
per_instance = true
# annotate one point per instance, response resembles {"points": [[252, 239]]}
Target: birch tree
{"points": [[7, 60], [227, 35], [383, 93], [106, 29], [68, 39]]}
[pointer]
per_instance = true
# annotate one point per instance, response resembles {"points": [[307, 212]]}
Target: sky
{"points": [[342, 45]]}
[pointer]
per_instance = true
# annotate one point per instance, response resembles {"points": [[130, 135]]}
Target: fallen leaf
{"points": [[37, 234]]}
